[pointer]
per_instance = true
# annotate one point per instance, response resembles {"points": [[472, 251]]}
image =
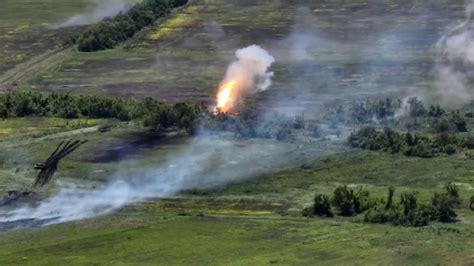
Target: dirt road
{"points": [[12, 78]]}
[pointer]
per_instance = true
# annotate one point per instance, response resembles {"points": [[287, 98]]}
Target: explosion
{"points": [[246, 76], [225, 97]]}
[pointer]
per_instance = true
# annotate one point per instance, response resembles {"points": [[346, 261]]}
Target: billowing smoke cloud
{"points": [[248, 75], [98, 10], [455, 65], [251, 69]]}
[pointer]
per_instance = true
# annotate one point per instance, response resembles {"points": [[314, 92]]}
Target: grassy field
{"points": [[147, 235], [318, 56], [26, 28], [256, 220]]}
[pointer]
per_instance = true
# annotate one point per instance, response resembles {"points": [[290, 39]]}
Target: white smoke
{"points": [[251, 69], [454, 68], [249, 74], [208, 162], [98, 10]]}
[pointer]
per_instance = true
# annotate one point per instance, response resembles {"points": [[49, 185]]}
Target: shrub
{"points": [[349, 203], [342, 200], [452, 192], [381, 215], [450, 149], [468, 142], [422, 150], [308, 211], [410, 213], [442, 208], [285, 134], [409, 202], [436, 111], [322, 206]]}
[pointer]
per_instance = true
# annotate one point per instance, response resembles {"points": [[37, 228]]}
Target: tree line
{"points": [[417, 145], [149, 111], [109, 32], [407, 211]]}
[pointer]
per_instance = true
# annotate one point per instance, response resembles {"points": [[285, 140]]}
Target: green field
{"points": [[247, 206], [184, 58]]}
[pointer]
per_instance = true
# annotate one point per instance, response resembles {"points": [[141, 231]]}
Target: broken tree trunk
{"points": [[51, 165]]}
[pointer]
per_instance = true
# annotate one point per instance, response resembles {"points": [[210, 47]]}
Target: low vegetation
{"points": [[407, 211], [417, 145]]}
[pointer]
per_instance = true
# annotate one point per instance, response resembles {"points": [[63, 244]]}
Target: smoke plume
{"points": [[248, 75], [98, 10], [207, 162], [454, 69]]}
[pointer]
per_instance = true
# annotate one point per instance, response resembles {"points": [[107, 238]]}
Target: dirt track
{"points": [[13, 77]]}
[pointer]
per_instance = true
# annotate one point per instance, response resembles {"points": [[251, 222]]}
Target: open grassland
{"points": [[27, 28], [151, 236]]}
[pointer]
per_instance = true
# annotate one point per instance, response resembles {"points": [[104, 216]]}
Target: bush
{"points": [[410, 213], [467, 142], [443, 208], [452, 192], [436, 111], [349, 203], [322, 206], [308, 211], [422, 150], [450, 149], [285, 134]]}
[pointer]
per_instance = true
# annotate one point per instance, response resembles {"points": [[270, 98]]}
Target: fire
{"points": [[225, 97]]}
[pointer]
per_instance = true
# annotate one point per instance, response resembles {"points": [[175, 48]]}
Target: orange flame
{"points": [[225, 97]]}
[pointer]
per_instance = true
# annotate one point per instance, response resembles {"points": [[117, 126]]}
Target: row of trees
{"points": [[407, 211], [151, 112], [381, 110], [388, 110], [418, 145], [111, 31]]}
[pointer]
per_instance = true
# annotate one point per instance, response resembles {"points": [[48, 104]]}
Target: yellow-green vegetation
{"points": [[26, 27], [22, 128], [184, 18]]}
